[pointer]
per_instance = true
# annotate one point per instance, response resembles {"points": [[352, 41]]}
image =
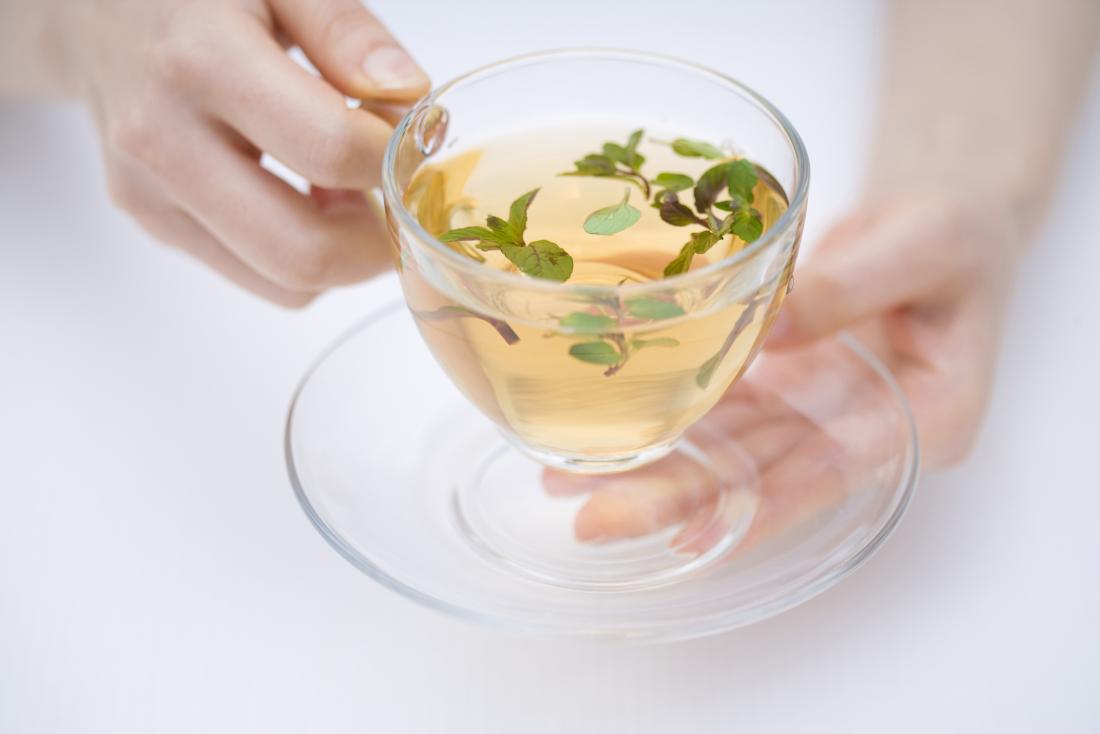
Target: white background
{"points": [[156, 574]]}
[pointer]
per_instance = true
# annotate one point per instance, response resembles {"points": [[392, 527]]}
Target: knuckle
{"points": [[307, 268], [185, 52], [135, 137], [346, 26], [178, 62], [337, 156]]}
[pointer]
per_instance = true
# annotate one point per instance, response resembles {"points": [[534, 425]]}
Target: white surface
{"points": [[156, 574]]}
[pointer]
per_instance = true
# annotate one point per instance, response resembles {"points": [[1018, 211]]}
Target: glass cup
{"points": [[509, 341]]}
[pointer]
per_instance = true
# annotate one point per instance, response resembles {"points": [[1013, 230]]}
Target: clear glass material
{"points": [[815, 450], [479, 484], [489, 328]]}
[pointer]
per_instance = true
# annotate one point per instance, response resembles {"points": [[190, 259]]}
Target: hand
{"points": [[188, 94], [921, 280]]}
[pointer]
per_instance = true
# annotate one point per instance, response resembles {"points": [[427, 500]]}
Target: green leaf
{"points": [[742, 180], [703, 241], [478, 234], [612, 219], [727, 206], [598, 352], [706, 370], [517, 214], [675, 213], [505, 230], [709, 185], [593, 165], [695, 149], [617, 153], [628, 156], [662, 341], [653, 308], [540, 259], [682, 263], [582, 322], [674, 181], [634, 140], [747, 224]]}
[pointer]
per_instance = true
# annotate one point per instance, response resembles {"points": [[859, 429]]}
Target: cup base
{"points": [[423, 494], [542, 524]]}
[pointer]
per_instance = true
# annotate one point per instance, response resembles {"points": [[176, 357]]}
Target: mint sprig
{"points": [[540, 259]]}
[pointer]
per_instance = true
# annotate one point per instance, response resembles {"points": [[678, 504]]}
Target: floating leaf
{"points": [[709, 185], [682, 262], [593, 165], [505, 230], [674, 181], [741, 180], [695, 149], [596, 352], [706, 370], [517, 214], [703, 241], [477, 234], [541, 259], [653, 308], [675, 213], [612, 219], [583, 322], [747, 225]]}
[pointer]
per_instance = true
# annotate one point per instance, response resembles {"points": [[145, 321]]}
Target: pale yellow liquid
{"points": [[520, 372]]}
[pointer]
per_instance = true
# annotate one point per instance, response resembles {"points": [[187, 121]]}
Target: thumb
{"points": [[864, 266], [352, 49]]}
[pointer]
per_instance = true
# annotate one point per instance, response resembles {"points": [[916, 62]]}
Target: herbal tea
{"points": [[599, 206]]}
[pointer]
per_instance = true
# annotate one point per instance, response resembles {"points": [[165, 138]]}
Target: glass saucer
{"points": [[788, 485]]}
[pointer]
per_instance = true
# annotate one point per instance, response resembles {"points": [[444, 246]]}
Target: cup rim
{"points": [[394, 198]]}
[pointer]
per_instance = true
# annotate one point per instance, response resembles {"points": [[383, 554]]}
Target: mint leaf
{"points": [[653, 308], [517, 214], [709, 185], [673, 181], [612, 219], [598, 352], [675, 213], [706, 370], [695, 149], [593, 165], [747, 224], [742, 180], [661, 341], [477, 234], [703, 241], [582, 322], [682, 263], [540, 259], [505, 230]]}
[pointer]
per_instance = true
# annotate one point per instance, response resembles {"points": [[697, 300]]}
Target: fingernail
{"points": [[388, 67]]}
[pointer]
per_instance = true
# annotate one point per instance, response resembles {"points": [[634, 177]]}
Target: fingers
{"points": [[352, 49], [865, 266], [178, 229], [263, 221], [283, 110]]}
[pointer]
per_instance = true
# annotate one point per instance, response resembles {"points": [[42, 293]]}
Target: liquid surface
{"points": [[604, 380]]}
